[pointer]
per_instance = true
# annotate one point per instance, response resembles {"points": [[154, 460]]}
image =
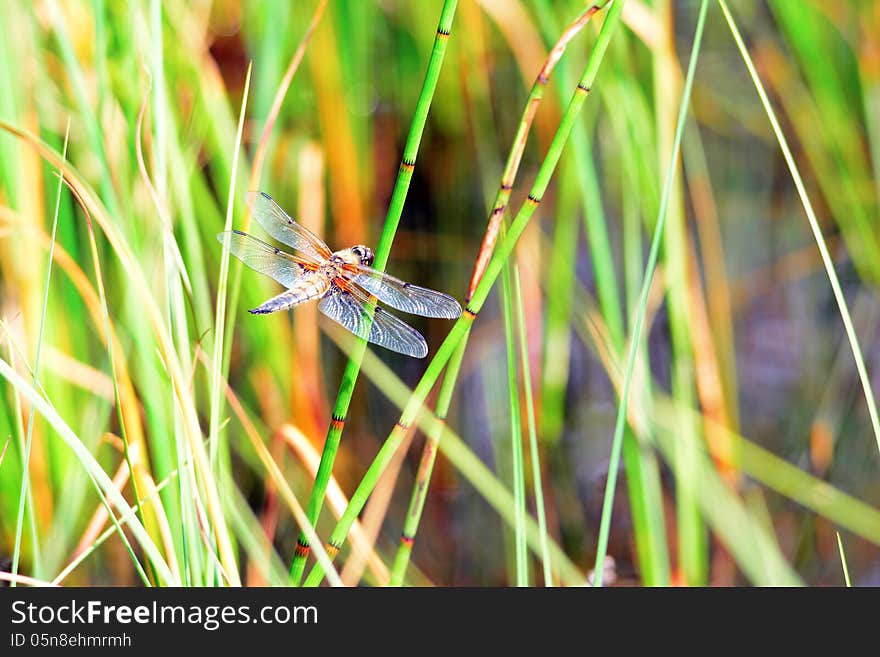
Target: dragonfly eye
{"points": [[365, 254]]}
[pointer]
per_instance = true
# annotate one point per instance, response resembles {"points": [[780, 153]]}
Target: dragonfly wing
{"points": [[352, 310], [264, 258], [307, 288], [406, 296], [283, 228]]}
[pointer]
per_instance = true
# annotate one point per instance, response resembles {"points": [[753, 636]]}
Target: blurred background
{"points": [[750, 445]]}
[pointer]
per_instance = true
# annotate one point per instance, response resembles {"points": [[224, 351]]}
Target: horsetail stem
{"points": [[536, 95], [383, 250], [493, 270], [450, 379]]}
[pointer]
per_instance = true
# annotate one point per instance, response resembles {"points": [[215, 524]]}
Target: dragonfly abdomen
{"points": [[307, 288]]}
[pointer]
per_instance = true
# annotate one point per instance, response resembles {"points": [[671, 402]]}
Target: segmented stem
{"points": [[502, 197], [383, 250], [493, 270]]}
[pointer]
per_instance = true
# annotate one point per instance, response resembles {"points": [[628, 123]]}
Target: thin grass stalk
{"points": [[493, 270], [536, 95], [639, 198], [102, 483], [683, 324], [107, 533], [23, 579], [426, 468], [383, 250], [275, 474], [87, 198], [516, 448], [502, 198], [620, 422], [534, 453], [843, 561], [26, 458], [19, 437], [640, 463], [462, 458], [814, 225], [220, 317], [260, 159]]}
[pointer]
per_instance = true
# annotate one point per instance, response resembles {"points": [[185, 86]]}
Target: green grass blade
{"points": [[516, 438], [25, 478], [843, 561], [220, 316], [103, 484], [534, 453], [635, 341], [465, 461], [814, 225]]}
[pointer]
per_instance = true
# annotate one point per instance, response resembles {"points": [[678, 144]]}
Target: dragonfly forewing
{"points": [[283, 228], [264, 258]]}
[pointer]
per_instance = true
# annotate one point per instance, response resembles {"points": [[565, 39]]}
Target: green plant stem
{"points": [[843, 562], [463, 460], [426, 467], [383, 250], [689, 524], [620, 422], [26, 457], [519, 484], [534, 454], [227, 558], [814, 226], [104, 486], [639, 461], [450, 379], [493, 270]]}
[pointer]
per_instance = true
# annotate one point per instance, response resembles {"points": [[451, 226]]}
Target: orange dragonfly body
{"points": [[342, 281]]}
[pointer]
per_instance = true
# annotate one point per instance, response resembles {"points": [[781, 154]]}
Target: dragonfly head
{"points": [[365, 253]]}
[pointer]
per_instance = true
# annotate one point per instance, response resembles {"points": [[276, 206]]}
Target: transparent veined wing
{"points": [[283, 228], [405, 296], [352, 310], [264, 258]]}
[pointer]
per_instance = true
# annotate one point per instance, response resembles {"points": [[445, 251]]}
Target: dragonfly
{"points": [[343, 282]]}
